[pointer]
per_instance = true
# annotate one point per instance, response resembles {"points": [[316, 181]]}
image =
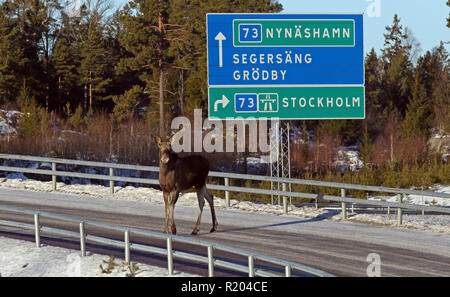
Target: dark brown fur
{"points": [[177, 174]]}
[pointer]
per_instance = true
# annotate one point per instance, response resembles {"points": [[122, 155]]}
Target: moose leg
{"points": [[209, 197], [166, 225], [173, 199], [201, 203]]}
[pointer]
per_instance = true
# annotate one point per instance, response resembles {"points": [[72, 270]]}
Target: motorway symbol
{"points": [[268, 102]]}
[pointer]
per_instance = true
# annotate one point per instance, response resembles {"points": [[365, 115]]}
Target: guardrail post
{"points": [[210, 261], [111, 182], [127, 246], [344, 205], [169, 256], [399, 212], [288, 270], [82, 240], [227, 193], [37, 236], [285, 206], [54, 177], [251, 266]]}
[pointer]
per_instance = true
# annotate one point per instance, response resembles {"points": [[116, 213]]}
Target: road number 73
{"points": [[254, 31], [250, 104]]}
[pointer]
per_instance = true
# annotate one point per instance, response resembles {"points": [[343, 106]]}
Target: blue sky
{"points": [[425, 18]]}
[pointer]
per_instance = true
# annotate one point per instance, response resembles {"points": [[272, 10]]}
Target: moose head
{"points": [[165, 149]]}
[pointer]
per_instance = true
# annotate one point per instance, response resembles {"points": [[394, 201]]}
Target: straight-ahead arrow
{"points": [[220, 37]]}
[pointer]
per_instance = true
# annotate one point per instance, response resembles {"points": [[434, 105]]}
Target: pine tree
{"points": [[76, 119], [30, 16], [397, 67], [93, 64], [10, 55], [30, 121], [65, 60], [440, 90], [365, 149], [93, 51], [46, 43], [145, 38], [448, 19], [126, 104], [21, 30], [416, 123], [394, 40], [374, 106]]}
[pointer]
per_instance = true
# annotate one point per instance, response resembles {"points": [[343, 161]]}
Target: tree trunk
{"points": [[161, 73], [392, 146], [90, 90], [161, 103], [181, 93]]}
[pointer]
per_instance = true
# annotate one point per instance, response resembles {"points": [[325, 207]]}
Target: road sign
{"points": [[255, 61], [286, 102]]}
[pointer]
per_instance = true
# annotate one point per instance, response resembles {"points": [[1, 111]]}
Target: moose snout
{"points": [[165, 159]]}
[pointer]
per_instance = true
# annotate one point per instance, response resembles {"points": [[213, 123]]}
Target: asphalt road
{"points": [[340, 248]]}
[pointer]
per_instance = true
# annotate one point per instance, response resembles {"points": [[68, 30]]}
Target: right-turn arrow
{"points": [[224, 101]]}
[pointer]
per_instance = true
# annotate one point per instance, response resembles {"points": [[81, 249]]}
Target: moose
{"points": [[178, 174]]}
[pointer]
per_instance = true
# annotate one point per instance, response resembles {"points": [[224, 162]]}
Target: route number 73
{"points": [[246, 102], [254, 31], [250, 33]]}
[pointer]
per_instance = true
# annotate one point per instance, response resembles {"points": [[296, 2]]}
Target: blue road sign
{"points": [[285, 50], [322, 57]]}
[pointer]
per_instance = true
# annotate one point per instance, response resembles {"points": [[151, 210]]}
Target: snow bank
{"points": [[434, 223], [20, 258], [8, 121], [348, 158], [421, 200]]}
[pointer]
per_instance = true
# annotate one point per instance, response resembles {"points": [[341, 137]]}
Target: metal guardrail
{"points": [[169, 252], [343, 199]]}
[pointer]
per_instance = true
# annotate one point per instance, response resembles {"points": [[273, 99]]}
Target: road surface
{"points": [[340, 247]]}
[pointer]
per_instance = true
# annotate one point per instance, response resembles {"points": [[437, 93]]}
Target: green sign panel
{"points": [[325, 102], [273, 33]]}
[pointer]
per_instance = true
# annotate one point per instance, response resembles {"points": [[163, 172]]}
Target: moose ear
{"points": [[171, 137], [157, 140]]}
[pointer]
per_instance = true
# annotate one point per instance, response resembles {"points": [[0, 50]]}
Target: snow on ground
{"points": [[8, 121], [348, 158], [434, 223], [20, 258], [421, 200]]}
